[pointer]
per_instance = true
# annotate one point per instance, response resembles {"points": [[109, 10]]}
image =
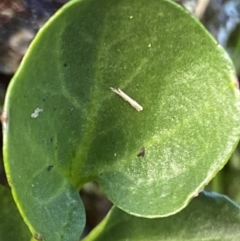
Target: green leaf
{"points": [[209, 217], [66, 127], [12, 226]]}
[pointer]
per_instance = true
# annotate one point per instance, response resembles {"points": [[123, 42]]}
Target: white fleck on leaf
{"points": [[36, 113]]}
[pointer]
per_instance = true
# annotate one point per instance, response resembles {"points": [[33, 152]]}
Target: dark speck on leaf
{"points": [[65, 65], [50, 167], [44, 98], [141, 152]]}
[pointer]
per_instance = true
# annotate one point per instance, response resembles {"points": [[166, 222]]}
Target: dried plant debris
{"points": [[127, 98]]}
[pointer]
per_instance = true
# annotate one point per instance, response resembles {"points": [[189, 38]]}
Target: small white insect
{"points": [[132, 102], [36, 113]]}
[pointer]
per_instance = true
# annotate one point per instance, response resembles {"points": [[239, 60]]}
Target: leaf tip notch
{"points": [[4, 119]]}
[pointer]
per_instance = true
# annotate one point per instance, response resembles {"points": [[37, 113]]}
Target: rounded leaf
{"points": [[209, 217], [133, 94]]}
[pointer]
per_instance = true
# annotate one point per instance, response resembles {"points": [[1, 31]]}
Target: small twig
{"points": [[132, 102], [201, 8]]}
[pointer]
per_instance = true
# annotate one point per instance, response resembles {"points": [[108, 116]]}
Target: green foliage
{"points": [[12, 226], [208, 217], [66, 127]]}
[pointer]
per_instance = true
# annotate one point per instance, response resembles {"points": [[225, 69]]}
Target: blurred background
{"points": [[20, 20]]}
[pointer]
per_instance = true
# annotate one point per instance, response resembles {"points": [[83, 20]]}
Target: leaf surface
{"points": [[209, 217], [12, 226], [65, 127]]}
